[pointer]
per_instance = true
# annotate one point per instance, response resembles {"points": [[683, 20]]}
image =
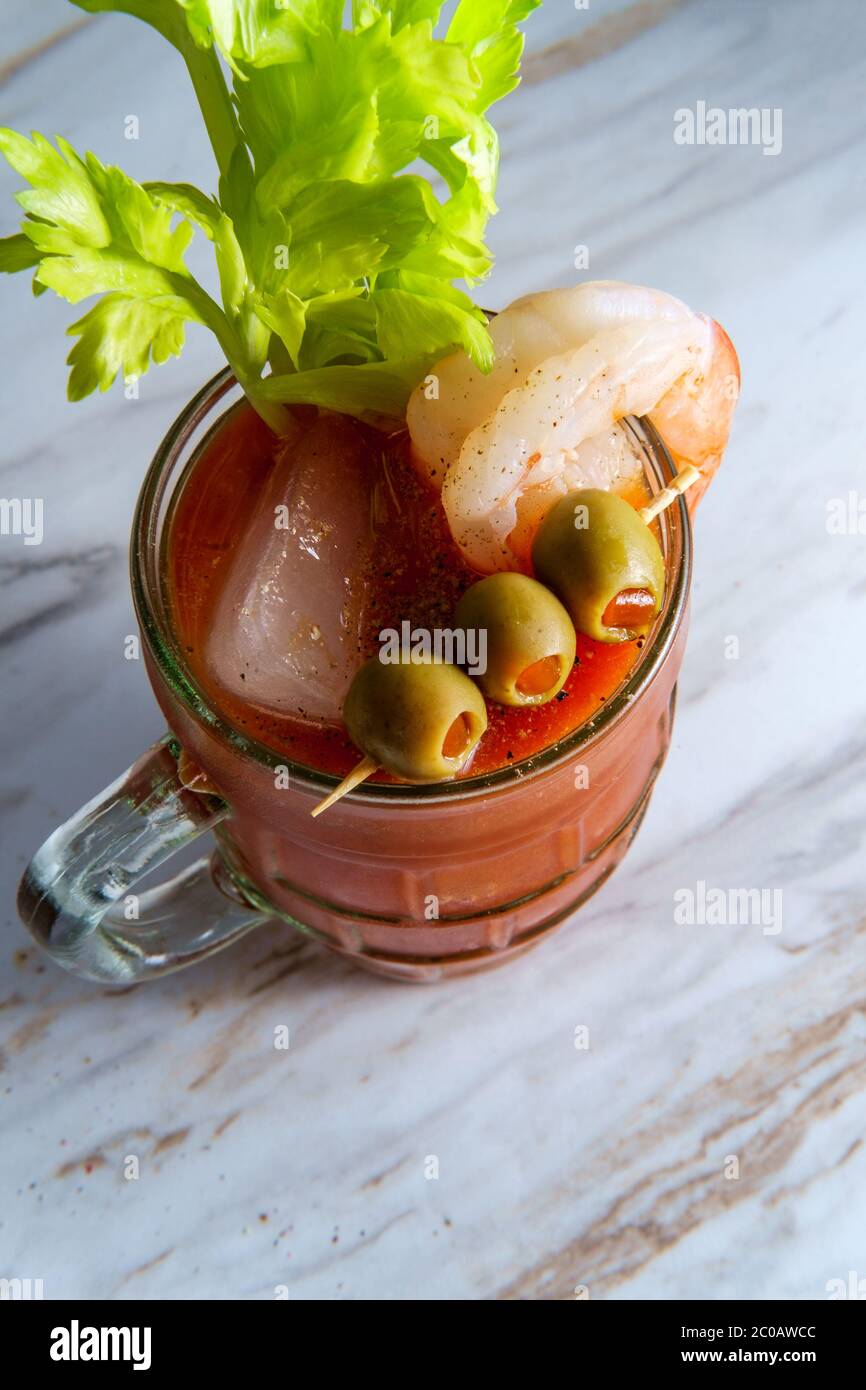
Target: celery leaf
{"points": [[336, 259]]}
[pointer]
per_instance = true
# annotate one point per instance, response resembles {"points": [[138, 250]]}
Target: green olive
{"points": [[420, 720], [598, 554], [528, 635]]}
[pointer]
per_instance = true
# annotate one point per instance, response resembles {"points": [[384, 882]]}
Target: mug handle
{"points": [[77, 895]]}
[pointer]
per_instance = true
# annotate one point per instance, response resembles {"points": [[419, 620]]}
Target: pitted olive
{"points": [[598, 554], [419, 720], [528, 636]]}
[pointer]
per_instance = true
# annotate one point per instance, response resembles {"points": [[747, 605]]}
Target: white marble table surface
{"points": [[557, 1167]]}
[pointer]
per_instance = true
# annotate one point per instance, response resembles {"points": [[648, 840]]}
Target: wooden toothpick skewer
{"points": [[669, 494], [365, 768]]}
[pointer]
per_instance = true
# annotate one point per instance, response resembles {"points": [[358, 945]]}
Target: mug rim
{"points": [[147, 580]]}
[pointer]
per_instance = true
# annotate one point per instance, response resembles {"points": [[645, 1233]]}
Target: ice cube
{"points": [[287, 629]]}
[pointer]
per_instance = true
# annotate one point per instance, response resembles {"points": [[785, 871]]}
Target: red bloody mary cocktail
{"points": [[412, 881], [427, 812]]}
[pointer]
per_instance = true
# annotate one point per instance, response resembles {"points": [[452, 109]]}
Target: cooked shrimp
{"points": [[570, 365]]}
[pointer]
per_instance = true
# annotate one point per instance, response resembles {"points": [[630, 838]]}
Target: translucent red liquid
{"points": [[415, 575]]}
